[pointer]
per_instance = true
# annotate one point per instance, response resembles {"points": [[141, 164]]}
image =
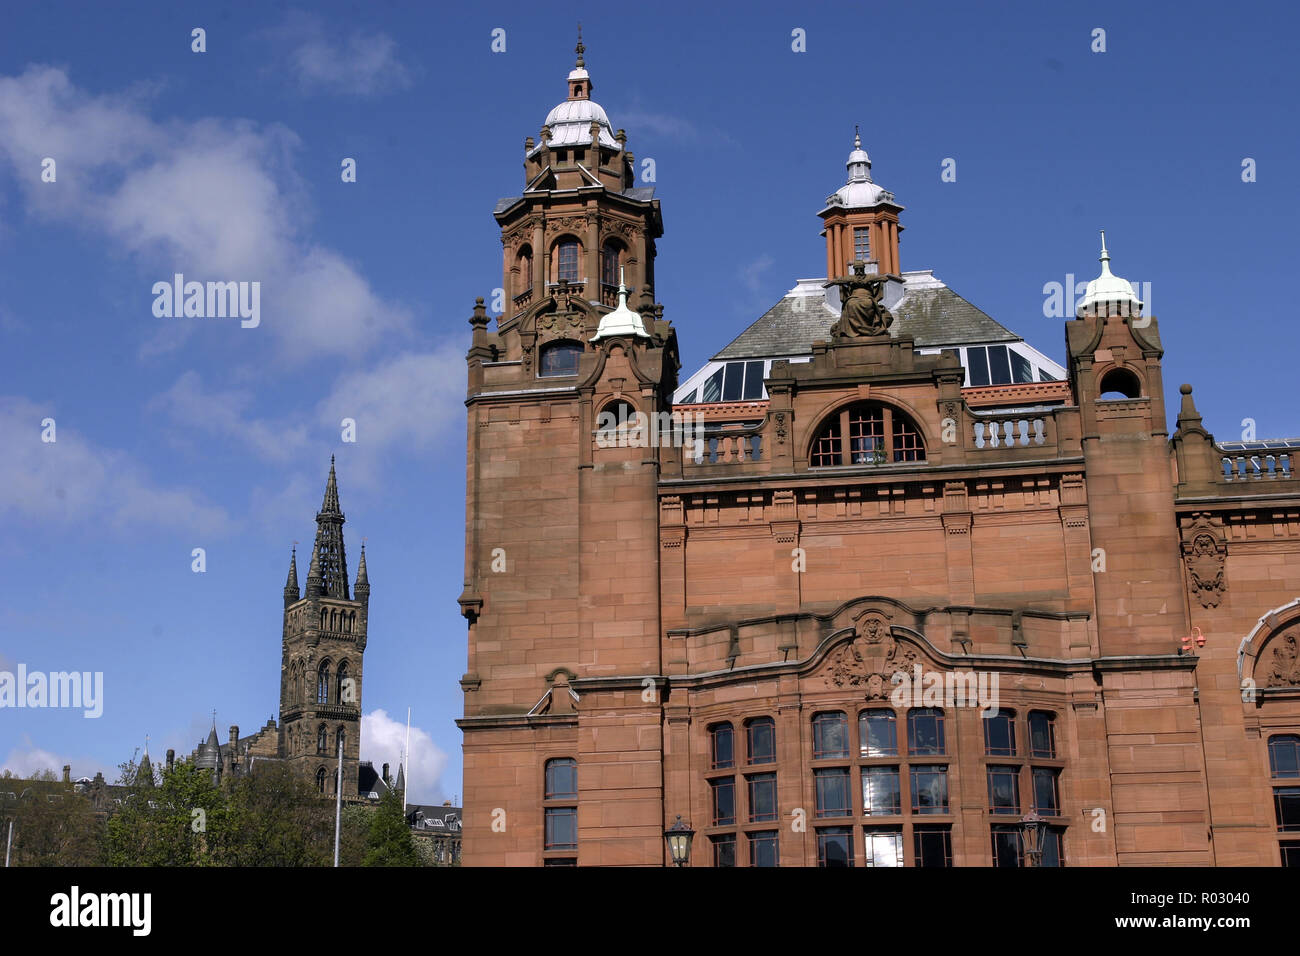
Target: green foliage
{"points": [[184, 821], [389, 842], [52, 825]]}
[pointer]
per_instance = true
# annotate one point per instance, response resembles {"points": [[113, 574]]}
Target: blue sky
{"points": [[174, 433]]}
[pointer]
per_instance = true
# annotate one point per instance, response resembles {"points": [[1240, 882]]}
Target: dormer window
{"points": [[559, 358], [867, 434]]}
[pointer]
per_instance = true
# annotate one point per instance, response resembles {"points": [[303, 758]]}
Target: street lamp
{"points": [[679, 837], [1031, 829]]}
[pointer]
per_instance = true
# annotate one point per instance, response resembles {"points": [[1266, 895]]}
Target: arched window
{"points": [[322, 740], [344, 694], [1000, 734], [320, 780], [867, 433], [616, 417], [524, 264], [925, 731], [1119, 383], [610, 259], [323, 683], [760, 738], [566, 261], [559, 358]]}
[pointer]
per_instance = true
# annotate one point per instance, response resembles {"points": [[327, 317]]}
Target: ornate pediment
{"points": [[871, 659]]}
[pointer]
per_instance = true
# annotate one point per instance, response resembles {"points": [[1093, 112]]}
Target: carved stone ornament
{"points": [[1284, 668], [780, 428], [1205, 552], [871, 659], [863, 314]]}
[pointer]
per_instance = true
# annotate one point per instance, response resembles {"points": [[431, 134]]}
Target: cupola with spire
{"points": [[583, 215], [861, 221], [1108, 294]]}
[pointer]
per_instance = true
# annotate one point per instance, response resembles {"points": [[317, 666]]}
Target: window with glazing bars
{"points": [[857, 436]]}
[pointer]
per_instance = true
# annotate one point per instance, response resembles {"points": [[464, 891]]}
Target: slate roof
{"points": [[638, 193], [929, 311]]}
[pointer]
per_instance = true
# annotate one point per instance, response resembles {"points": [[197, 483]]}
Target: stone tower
{"points": [[320, 672], [562, 549]]}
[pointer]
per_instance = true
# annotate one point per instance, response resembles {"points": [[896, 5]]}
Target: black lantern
{"points": [[679, 837], [1031, 830]]}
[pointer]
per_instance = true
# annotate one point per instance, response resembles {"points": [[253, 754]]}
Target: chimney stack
{"points": [[386, 780], [171, 758], [67, 773], [234, 735]]}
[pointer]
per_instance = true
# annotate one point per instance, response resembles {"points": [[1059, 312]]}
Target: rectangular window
{"points": [[568, 262], [929, 789], [561, 828], [830, 737], [560, 861], [884, 847], [1004, 789], [762, 740], [1046, 376], [832, 792], [878, 733], [1042, 735], [1047, 800], [724, 747], [932, 846], [999, 366], [862, 245], [762, 797], [753, 381], [1291, 854], [561, 779], [724, 850], [880, 791], [925, 731], [763, 849], [1286, 801], [1052, 855], [724, 801], [1021, 370], [1006, 847], [1000, 734], [835, 846], [1284, 756], [977, 364], [733, 386]]}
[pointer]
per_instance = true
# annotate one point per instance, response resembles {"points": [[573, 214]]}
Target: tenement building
{"points": [[880, 585]]}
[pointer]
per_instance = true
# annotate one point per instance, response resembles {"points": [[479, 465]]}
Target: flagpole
{"points": [[407, 788], [338, 803]]}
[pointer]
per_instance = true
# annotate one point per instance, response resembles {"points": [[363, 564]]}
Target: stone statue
{"points": [[862, 313]]}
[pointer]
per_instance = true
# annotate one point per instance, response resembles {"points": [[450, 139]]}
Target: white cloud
{"points": [[72, 478], [213, 199], [383, 739], [361, 64], [222, 413], [406, 403], [27, 759]]}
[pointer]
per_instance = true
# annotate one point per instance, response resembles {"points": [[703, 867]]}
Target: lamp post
{"points": [[678, 837], [1031, 830]]}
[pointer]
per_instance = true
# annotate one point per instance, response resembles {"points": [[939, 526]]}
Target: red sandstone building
{"points": [[891, 489]]}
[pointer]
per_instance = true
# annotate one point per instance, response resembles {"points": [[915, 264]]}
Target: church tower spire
{"points": [[333, 564], [320, 672]]}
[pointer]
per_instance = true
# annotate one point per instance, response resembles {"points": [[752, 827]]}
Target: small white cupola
{"points": [[1108, 294], [622, 321]]}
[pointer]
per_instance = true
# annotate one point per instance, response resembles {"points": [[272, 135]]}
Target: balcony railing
{"points": [[1258, 467]]}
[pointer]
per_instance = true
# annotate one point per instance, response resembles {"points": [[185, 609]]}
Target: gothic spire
{"points": [[328, 550], [291, 592], [362, 589], [314, 585]]}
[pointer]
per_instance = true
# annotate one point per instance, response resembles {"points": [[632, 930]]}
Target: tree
{"points": [[389, 842], [278, 820], [183, 821], [53, 825]]}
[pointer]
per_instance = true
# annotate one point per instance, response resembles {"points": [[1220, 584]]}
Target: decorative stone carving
{"points": [[871, 659], [863, 313], [780, 428], [1205, 551], [1284, 669]]}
